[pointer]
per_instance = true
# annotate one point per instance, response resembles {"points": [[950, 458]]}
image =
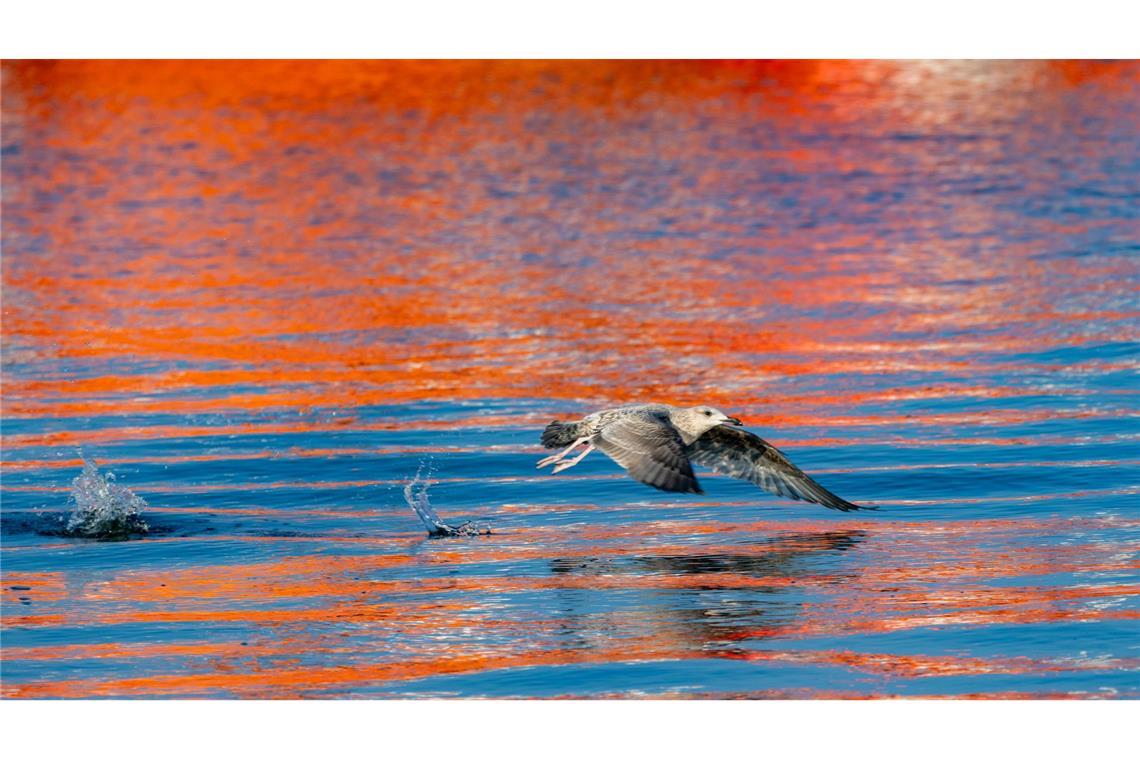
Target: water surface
{"points": [[264, 294]]}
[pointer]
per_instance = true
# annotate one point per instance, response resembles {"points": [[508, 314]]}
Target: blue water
{"points": [[918, 280]]}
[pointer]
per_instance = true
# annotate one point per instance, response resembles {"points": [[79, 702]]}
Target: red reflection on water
{"points": [[258, 215]]}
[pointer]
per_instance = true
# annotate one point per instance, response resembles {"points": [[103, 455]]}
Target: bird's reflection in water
{"points": [[778, 557], [706, 602]]}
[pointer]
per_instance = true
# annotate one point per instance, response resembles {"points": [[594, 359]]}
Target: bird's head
{"points": [[707, 417]]}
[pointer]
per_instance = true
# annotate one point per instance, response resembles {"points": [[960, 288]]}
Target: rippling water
{"points": [[264, 294]]}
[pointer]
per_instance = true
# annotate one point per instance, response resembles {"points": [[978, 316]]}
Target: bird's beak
{"points": [[734, 421]]}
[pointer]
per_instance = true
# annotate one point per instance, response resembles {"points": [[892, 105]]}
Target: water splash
{"points": [[102, 508], [416, 494]]}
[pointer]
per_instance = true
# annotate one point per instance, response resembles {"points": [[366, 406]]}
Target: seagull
{"points": [[657, 444]]}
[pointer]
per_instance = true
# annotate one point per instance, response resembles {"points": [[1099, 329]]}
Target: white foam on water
{"points": [[101, 507]]}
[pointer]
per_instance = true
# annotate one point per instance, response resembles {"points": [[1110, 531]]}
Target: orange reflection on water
{"points": [[427, 625], [288, 225]]}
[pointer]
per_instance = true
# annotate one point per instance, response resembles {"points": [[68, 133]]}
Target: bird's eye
{"points": [[708, 414]]}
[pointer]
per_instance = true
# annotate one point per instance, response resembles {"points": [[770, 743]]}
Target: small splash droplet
{"points": [[416, 494]]}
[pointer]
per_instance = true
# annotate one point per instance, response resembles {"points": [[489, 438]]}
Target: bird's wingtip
{"points": [[850, 507]]}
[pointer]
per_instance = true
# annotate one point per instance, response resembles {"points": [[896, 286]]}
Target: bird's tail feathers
{"points": [[559, 434]]}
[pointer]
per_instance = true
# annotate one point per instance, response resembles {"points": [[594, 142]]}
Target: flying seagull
{"points": [[658, 444]]}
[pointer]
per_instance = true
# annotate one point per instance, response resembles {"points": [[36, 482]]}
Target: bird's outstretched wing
{"points": [[651, 450], [741, 454]]}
